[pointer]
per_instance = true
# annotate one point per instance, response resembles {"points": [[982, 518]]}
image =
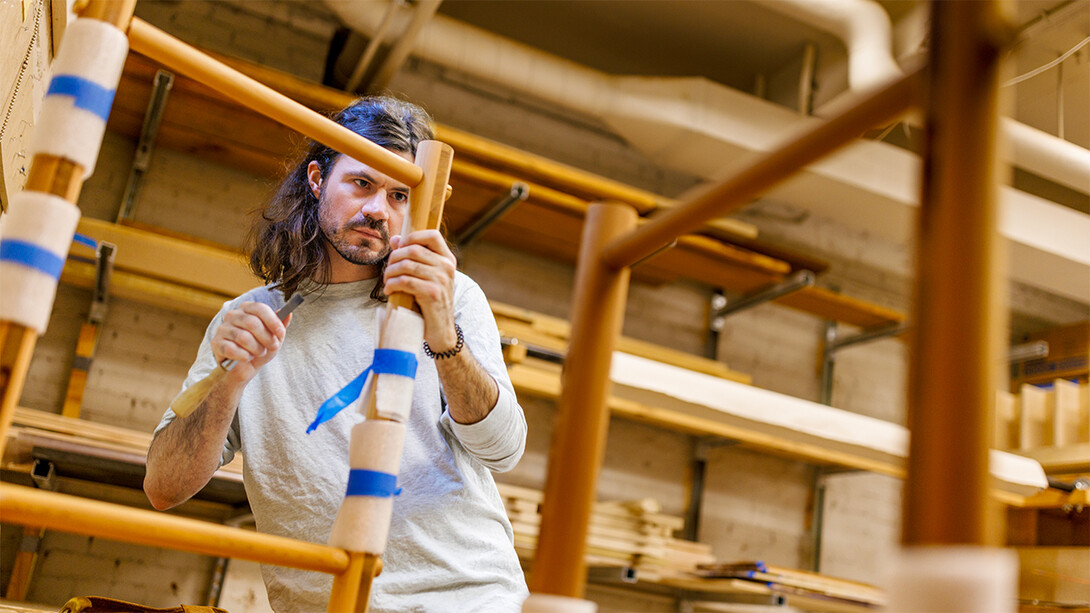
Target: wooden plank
{"points": [[552, 333], [1036, 418], [1068, 421], [1007, 421], [166, 258], [1074, 458], [147, 290]]}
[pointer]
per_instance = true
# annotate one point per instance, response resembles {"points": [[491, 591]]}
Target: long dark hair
{"points": [[286, 242]]}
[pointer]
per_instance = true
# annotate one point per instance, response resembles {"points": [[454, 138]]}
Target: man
{"points": [[326, 234]]}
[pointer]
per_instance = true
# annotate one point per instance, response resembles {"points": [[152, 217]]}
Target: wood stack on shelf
{"points": [[31, 428], [800, 582], [634, 534], [1051, 425]]}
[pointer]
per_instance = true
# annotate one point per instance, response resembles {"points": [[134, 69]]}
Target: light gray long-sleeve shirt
{"points": [[450, 547]]}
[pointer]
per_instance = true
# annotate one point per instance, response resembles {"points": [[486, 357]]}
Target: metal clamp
{"points": [[722, 306], [142, 159], [519, 191]]}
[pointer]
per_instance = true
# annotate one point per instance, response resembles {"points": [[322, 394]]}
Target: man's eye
{"points": [[399, 197], [363, 183]]}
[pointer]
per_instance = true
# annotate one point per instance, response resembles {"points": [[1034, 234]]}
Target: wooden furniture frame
{"points": [[956, 349], [352, 571], [957, 312]]}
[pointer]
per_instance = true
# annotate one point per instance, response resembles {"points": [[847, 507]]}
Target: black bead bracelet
{"points": [[449, 353]]}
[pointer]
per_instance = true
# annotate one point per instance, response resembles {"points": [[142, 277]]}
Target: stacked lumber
{"points": [[798, 582], [31, 427], [633, 534], [1051, 425]]}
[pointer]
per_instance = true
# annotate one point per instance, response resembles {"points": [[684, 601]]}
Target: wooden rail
{"points": [[173, 53], [53, 511]]}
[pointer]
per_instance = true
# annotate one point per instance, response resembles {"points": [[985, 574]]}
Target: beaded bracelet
{"points": [[449, 353]]}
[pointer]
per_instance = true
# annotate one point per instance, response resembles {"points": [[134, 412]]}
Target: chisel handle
{"points": [[194, 395]]}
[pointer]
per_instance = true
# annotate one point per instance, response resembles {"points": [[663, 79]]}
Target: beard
{"points": [[352, 246]]}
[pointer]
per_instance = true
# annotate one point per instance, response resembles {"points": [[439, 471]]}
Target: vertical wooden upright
{"points": [[60, 177], [582, 421], [960, 286]]}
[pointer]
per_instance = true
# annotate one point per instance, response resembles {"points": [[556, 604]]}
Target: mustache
{"points": [[370, 223]]}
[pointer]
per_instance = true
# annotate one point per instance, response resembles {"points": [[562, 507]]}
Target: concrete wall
{"points": [[756, 505]]}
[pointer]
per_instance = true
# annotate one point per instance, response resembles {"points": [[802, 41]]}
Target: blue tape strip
{"points": [[372, 483], [386, 362], [89, 96], [83, 239], [394, 362], [31, 256]]}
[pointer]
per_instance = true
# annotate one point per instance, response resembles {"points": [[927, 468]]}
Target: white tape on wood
{"points": [[954, 579], [363, 522], [86, 72], [403, 330], [34, 238]]}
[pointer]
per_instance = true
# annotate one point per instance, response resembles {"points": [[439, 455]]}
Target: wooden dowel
{"points": [[426, 199], [60, 177], [115, 12], [346, 585], [16, 348], [880, 108], [177, 55], [53, 175], [53, 511], [582, 420], [960, 299]]}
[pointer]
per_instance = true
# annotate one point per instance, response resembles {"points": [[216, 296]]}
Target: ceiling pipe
{"points": [[862, 25], [866, 30]]}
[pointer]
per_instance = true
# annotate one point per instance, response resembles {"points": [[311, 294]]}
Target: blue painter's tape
{"points": [[89, 96], [372, 483], [31, 256], [386, 362], [83, 239], [394, 362]]}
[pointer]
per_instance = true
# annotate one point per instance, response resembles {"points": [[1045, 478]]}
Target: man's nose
{"points": [[375, 205]]}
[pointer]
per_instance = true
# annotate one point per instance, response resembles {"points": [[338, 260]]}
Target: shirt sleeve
{"points": [[202, 365], [499, 439]]}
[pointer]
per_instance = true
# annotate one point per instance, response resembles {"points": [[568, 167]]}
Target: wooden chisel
{"points": [[194, 395]]}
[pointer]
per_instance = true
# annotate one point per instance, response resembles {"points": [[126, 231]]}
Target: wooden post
{"points": [[61, 177], [427, 200], [582, 421], [960, 285]]}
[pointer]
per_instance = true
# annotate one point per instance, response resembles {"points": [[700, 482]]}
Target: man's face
{"points": [[358, 208]]}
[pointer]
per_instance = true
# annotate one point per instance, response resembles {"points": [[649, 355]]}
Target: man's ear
{"points": [[314, 177]]}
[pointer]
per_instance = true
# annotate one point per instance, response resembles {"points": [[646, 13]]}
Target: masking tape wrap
{"points": [[85, 75], [402, 330], [953, 579], [363, 522], [35, 235]]}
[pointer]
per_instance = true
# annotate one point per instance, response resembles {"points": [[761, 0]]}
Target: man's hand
{"points": [[422, 265], [251, 335]]}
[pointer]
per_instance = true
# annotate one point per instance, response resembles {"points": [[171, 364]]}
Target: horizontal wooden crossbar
{"points": [[30, 507]]}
